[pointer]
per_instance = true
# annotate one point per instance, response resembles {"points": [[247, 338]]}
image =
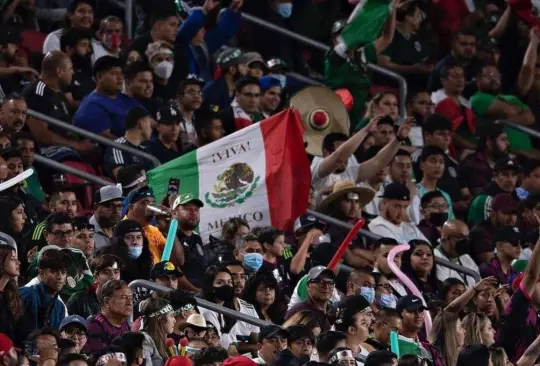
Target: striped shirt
{"points": [[116, 158]]}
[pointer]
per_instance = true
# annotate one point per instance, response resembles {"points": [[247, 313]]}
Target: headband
{"points": [[110, 356], [186, 307], [167, 309], [339, 356]]}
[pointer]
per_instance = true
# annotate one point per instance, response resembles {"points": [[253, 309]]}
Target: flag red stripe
{"points": [[288, 175]]}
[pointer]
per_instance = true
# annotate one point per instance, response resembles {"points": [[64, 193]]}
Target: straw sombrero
{"points": [[322, 112], [365, 195]]}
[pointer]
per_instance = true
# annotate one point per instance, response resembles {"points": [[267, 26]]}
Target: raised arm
{"points": [[526, 73], [371, 167], [459, 304], [388, 32], [533, 270]]}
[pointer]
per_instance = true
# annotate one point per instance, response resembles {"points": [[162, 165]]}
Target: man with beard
{"points": [[12, 76], [138, 200], [463, 53], [186, 209], [489, 105], [13, 114], [44, 96], [63, 200], [107, 214], [246, 333], [477, 169], [76, 43], [505, 178], [139, 85], [221, 92], [503, 212], [455, 247], [271, 95]]}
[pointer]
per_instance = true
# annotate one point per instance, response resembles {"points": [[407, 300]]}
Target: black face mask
{"points": [[224, 293], [438, 218], [463, 246]]}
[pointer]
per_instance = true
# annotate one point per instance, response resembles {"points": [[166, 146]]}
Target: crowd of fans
{"points": [[443, 178]]}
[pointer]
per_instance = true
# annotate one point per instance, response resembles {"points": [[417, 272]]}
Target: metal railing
{"points": [[368, 234], [70, 170], [7, 239], [202, 303], [529, 131], [127, 6], [325, 48], [94, 137]]}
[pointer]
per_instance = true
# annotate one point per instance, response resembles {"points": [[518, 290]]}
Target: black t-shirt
{"points": [[280, 273], [53, 103], [115, 158], [82, 84], [195, 264], [160, 151]]}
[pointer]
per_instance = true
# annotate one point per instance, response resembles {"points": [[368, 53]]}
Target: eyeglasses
{"points": [[385, 286], [193, 93], [59, 234], [441, 206], [75, 333]]}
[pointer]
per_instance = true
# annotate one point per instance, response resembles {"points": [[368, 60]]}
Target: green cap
{"points": [[184, 198]]}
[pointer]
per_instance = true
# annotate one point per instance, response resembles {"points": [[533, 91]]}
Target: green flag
{"points": [[368, 19]]}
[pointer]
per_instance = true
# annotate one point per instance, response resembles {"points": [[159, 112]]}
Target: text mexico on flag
{"points": [[260, 173]]}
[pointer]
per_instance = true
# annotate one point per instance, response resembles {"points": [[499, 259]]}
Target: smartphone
{"points": [[30, 349], [174, 185]]}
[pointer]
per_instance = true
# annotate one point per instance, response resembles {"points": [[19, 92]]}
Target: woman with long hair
{"points": [[384, 103], [131, 245], [305, 318], [158, 323], [12, 222], [448, 336], [498, 357], [451, 289], [478, 329], [262, 292], [218, 288], [419, 265], [11, 304]]}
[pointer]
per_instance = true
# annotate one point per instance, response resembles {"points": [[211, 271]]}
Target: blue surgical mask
{"points": [[282, 79], [368, 293], [134, 252], [285, 10], [387, 301], [253, 261]]}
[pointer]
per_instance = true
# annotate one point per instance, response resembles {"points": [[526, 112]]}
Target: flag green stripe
{"points": [[185, 168], [367, 25]]}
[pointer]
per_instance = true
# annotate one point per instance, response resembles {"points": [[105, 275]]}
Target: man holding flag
{"points": [[357, 43]]}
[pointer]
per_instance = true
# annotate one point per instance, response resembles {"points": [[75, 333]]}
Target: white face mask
{"points": [[164, 69]]}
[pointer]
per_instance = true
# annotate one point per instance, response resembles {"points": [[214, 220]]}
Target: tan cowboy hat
{"points": [[365, 195], [194, 321], [322, 112]]}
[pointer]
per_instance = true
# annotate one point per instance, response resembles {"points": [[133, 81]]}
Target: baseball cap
{"points": [[239, 361], [268, 82], [191, 79], [276, 63], [318, 271], [231, 57], [168, 115], [165, 268], [6, 344], [72, 5], [139, 194], [127, 226], [9, 35], [73, 320], [271, 331], [255, 57], [184, 198], [410, 303], [504, 202], [396, 191], [506, 164], [308, 221], [510, 234], [108, 193]]}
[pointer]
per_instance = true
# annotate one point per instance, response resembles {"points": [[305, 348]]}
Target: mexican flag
{"points": [[260, 173], [365, 23]]}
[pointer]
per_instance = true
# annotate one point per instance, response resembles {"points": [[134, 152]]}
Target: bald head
{"points": [[455, 227], [455, 238], [57, 67]]}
